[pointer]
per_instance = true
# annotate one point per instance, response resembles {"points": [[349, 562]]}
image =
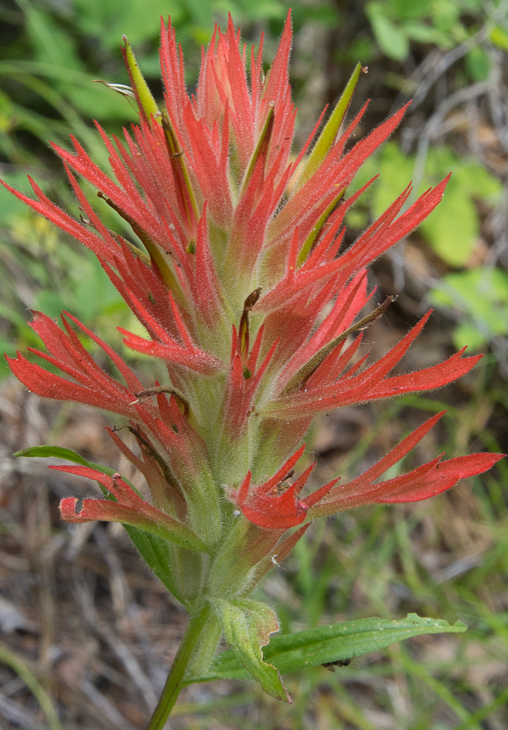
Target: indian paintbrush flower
{"points": [[237, 270]]}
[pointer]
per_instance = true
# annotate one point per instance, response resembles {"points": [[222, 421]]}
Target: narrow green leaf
{"points": [[180, 171], [261, 148], [56, 452], [247, 625], [154, 552], [327, 136], [147, 103], [328, 644], [307, 246]]}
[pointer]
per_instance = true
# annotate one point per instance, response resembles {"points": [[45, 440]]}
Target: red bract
{"points": [[239, 274], [276, 498], [128, 508]]}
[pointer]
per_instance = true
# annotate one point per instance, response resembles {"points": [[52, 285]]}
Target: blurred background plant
{"points": [[446, 557]]}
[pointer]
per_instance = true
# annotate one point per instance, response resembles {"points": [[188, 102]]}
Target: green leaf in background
{"points": [[391, 39], [11, 207], [445, 15], [328, 644], [478, 64], [453, 228], [318, 13], [395, 171], [8, 349], [50, 43], [87, 293], [55, 49], [108, 21], [247, 625], [135, 19], [481, 295], [499, 37], [423, 33], [410, 9]]}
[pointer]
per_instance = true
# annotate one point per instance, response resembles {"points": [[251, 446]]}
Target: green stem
{"points": [[176, 674]]}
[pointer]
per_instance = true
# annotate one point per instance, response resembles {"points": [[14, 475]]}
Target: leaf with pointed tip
{"points": [[247, 625], [147, 104], [58, 452], [328, 644], [261, 149], [327, 136], [316, 230], [55, 452]]}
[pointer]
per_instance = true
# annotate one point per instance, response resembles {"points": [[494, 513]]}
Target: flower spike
{"points": [[253, 310], [205, 191]]}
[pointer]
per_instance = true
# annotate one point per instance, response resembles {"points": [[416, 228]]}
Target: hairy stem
{"points": [[176, 674]]}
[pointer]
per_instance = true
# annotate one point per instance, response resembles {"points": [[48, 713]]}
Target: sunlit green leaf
{"points": [[479, 294], [453, 228], [499, 37]]}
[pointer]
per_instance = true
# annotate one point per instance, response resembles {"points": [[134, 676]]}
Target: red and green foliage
{"points": [[237, 270]]}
